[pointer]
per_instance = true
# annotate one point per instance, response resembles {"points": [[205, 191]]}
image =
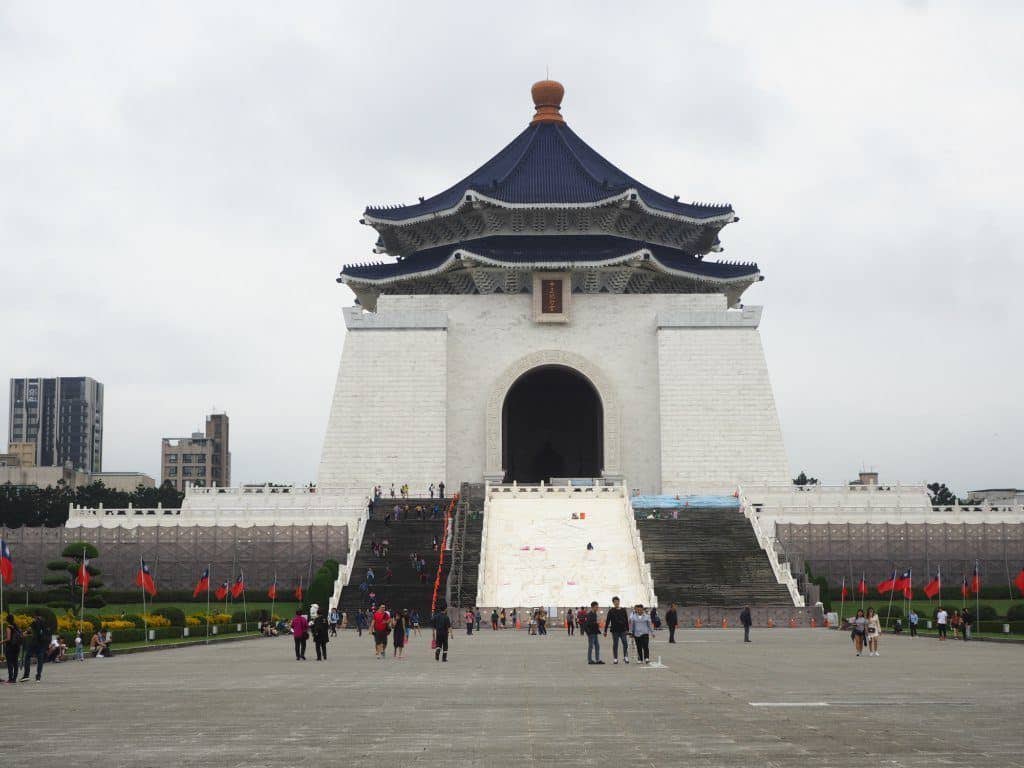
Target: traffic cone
{"points": [[792, 623], [813, 623], [771, 623], [724, 623], [698, 623]]}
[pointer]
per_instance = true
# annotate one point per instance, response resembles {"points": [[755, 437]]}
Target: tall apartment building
{"points": [[61, 417], [202, 459]]}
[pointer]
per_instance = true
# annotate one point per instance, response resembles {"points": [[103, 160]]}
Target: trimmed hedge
{"points": [[172, 613]]}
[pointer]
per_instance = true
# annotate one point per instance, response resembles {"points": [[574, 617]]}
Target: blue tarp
{"points": [[678, 502]]}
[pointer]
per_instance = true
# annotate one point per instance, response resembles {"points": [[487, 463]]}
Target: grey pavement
{"points": [[793, 697]]}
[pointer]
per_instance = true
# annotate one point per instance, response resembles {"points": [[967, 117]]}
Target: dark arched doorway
{"points": [[552, 426]]}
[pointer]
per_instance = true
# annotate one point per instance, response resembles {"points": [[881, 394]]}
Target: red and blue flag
{"points": [[222, 591], [203, 585], [6, 563], [144, 579], [239, 586]]}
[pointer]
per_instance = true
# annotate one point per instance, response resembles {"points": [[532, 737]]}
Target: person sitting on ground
{"points": [[97, 646], [53, 652]]}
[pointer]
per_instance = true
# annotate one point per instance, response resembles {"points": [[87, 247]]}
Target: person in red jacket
{"points": [[300, 633], [381, 630]]}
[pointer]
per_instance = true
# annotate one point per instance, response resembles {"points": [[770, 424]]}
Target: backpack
{"points": [[16, 636]]}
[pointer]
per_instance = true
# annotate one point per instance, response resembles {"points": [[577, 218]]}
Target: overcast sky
{"points": [[181, 183]]}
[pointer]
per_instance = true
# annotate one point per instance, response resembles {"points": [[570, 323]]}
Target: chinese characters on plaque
{"points": [[551, 293]]}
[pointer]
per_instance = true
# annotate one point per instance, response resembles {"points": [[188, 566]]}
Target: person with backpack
{"points": [[442, 631], [12, 648], [381, 630], [36, 646]]}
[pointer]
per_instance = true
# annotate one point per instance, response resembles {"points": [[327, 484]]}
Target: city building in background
{"points": [[60, 418], [202, 460], [30, 476]]}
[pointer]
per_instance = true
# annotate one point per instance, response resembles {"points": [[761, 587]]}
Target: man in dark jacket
{"points": [[746, 621], [592, 628], [442, 631], [36, 646], [672, 621], [617, 621]]}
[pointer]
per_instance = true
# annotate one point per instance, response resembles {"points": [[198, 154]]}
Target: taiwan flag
{"points": [[203, 585], [298, 589], [888, 585], [222, 591], [964, 589], [904, 583], [239, 586], [272, 592], [862, 586], [976, 581], [1019, 581], [144, 579], [843, 591], [7, 564], [82, 579], [933, 587]]}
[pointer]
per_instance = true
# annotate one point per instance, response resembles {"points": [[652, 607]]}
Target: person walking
{"points": [[672, 621], [912, 619], [320, 630], [874, 627], [570, 622], [381, 630], [414, 619], [333, 619], [942, 622], [440, 490], [504, 619], [470, 618], [430, 490], [747, 622], [400, 633], [494, 619], [616, 621], [966, 619], [300, 633], [655, 618], [542, 622], [859, 631], [477, 618], [36, 646], [360, 622], [442, 631], [592, 628], [641, 627], [12, 648]]}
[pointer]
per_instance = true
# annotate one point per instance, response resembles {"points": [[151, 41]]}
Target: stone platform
{"points": [[792, 697]]}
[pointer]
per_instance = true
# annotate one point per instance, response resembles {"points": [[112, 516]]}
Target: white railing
{"points": [[782, 571], [355, 541], [244, 490], [646, 578]]}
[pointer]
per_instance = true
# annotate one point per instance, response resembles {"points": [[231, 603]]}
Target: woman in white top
{"points": [[874, 632]]}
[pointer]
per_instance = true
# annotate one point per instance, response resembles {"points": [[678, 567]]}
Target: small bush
{"points": [[153, 621], [986, 612], [117, 624], [1016, 612], [175, 615], [192, 621]]}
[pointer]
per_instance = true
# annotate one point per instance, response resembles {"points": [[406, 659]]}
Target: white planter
{"points": [[152, 634], [184, 632], [214, 628]]}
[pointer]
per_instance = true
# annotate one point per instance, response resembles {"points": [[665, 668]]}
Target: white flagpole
{"points": [[273, 600], [142, 586], [81, 613], [209, 575], [888, 610]]}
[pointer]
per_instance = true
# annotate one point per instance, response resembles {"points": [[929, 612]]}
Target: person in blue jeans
{"points": [[617, 621], [592, 628], [36, 647]]}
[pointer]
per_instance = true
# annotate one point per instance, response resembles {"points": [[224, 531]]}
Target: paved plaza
{"points": [[792, 697]]}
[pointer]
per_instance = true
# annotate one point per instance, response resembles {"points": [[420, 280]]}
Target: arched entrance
{"points": [[552, 426]]}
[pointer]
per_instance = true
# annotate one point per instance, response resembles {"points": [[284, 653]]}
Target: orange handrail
{"points": [[440, 560]]}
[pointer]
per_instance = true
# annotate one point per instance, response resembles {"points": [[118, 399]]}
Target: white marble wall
{"points": [[707, 385]]}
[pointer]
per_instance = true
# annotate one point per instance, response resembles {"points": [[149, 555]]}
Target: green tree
{"points": [[941, 495], [803, 479]]}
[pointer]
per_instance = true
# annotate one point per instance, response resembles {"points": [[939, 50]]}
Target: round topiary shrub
{"points": [[1015, 613], [48, 615], [986, 612], [173, 614], [93, 600]]}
